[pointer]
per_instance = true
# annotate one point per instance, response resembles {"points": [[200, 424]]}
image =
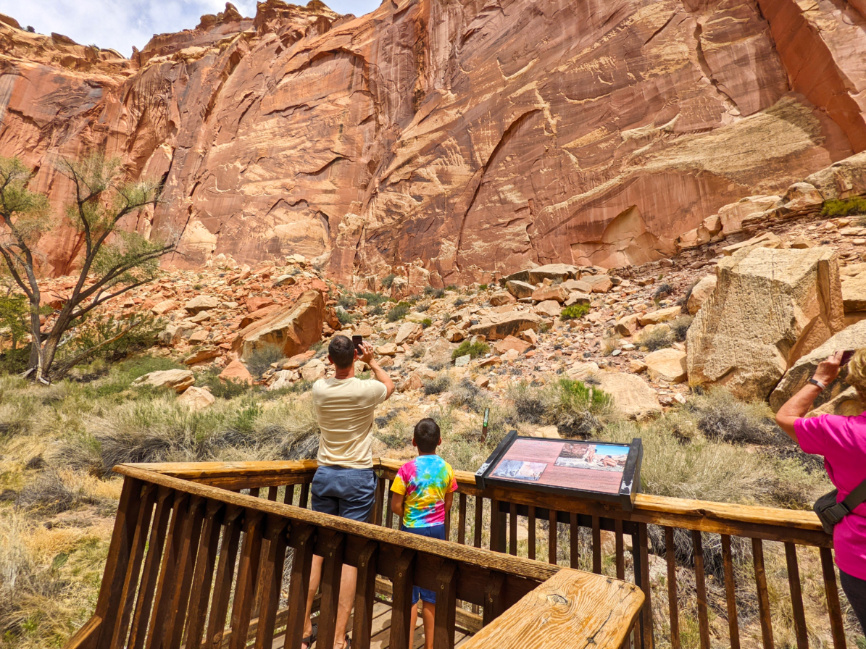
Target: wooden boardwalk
{"points": [[382, 630]]}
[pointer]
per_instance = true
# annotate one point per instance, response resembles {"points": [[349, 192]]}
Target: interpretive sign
{"points": [[583, 469]]}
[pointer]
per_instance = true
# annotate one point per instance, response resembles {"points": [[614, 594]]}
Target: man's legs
{"points": [[348, 582], [315, 578]]}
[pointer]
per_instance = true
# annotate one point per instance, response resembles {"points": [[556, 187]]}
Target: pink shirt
{"points": [[842, 442]]}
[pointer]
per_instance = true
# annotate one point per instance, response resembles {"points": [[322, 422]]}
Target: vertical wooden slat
{"points": [[305, 495], [494, 600], [574, 540], [701, 588], [332, 570], [531, 524], [512, 529], [461, 519], [166, 580], [203, 576], [245, 587], [379, 501], [446, 606], [289, 495], [596, 545], [179, 595], [150, 572], [796, 596], [647, 641], [119, 551], [255, 491], [365, 596], [133, 569], [730, 593], [479, 518], [673, 603], [837, 626], [302, 540], [448, 515], [496, 528], [620, 549], [763, 595], [271, 579], [402, 600], [224, 577], [389, 515], [273, 492], [551, 534]]}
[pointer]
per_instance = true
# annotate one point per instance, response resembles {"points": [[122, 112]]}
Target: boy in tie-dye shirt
{"points": [[422, 494]]}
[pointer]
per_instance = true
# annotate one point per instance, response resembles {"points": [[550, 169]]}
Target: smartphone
{"points": [[846, 356], [356, 341]]}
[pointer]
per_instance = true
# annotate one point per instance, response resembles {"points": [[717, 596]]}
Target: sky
{"points": [[120, 24]]}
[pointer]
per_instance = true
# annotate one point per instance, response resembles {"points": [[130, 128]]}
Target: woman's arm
{"points": [[797, 406], [397, 504]]}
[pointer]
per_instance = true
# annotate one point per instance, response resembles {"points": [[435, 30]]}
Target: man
{"points": [[344, 484]]}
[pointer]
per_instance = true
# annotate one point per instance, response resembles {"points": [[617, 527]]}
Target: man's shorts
{"points": [[349, 493], [431, 532]]}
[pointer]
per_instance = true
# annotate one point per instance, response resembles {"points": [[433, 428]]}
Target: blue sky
{"points": [[120, 24]]}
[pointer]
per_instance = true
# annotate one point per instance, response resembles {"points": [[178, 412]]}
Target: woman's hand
{"points": [[828, 370]]}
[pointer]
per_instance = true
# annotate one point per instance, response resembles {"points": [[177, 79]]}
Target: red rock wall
{"points": [[469, 136]]}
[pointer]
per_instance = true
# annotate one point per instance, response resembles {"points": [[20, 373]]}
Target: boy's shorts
{"points": [[432, 532], [349, 493]]}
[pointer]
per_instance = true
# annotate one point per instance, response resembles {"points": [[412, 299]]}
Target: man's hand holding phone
{"points": [[365, 353]]}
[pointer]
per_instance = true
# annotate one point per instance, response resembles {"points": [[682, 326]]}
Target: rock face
{"points": [[501, 325], [291, 330], [769, 309], [450, 141], [177, 380], [631, 395]]}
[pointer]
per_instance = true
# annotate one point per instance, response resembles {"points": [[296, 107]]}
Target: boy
{"points": [[423, 492]]}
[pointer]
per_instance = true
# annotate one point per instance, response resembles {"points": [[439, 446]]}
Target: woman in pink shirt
{"points": [[842, 442]]}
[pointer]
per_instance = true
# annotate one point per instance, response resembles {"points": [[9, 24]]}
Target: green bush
{"points": [[574, 312], [347, 301], [459, 302], [261, 359], [434, 292], [468, 395], [572, 406], [14, 312], [438, 385], [388, 280], [398, 312], [663, 291], [680, 327], [345, 317], [844, 207], [474, 350], [426, 322], [109, 338], [482, 287], [657, 338], [220, 388], [373, 299]]}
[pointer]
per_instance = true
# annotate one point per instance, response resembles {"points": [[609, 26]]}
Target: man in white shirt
{"points": [[344, 484]]}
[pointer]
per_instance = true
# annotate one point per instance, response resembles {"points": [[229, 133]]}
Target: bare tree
{"points": [[113, 261]]}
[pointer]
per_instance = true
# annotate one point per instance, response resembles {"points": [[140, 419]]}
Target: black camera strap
{"points": [[856, 497]]}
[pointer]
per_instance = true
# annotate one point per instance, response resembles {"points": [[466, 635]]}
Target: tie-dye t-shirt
{"points": [[424, 482]]}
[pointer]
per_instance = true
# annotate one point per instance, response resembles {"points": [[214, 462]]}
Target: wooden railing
{"points": [[198, 553], [738, 540]]}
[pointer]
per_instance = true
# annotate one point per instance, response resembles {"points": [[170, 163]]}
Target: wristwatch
{"points": [[815, 381]]}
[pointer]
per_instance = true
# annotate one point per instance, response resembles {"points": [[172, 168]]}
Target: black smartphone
{"points": [[846, 356], [356, 341]]}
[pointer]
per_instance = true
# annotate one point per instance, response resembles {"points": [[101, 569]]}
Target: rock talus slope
{"points": [[465, 138]]}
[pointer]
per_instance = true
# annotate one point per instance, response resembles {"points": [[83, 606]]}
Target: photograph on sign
{"points": [[520, 470], [600, 457]]}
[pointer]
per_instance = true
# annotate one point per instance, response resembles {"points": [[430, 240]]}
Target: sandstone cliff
{"points": [[459, 138]]}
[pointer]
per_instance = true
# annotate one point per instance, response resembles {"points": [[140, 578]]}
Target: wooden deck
{"points": [[381, 631]]}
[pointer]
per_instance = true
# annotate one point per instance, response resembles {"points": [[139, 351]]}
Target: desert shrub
{"points": [[844, 206], [662, 291], [482, 287], [426, 322], [720, 416], [260, 359], [388, 280], [572, 406], [347, 301], [109, 338], [372, 299], [398, 312], [610, 342], [467, 395], [656, 338], [437, 385], [14, 361], [422, 307], [459, 302], [473, 350], [345, 317], [396, 436], [376, 310], [533, 404], [221, 388], [574, 312], [49, 494], [680, 327], [436, 293]]}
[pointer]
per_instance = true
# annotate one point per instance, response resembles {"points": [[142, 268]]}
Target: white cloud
{"points": [[120, 24]]}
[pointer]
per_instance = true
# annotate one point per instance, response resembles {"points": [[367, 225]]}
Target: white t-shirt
{"points": [[345, 409]]}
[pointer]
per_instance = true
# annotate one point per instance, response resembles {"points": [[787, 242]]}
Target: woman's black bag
{"points": [[830, 512]]}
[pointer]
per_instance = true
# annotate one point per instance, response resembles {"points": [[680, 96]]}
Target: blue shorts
{"points": [[349, 493], [431, 532]]}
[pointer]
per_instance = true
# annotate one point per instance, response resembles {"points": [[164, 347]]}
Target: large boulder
{"points": [[841, 179], [538, 274], [196, 399], [733, 215], [854, 293], [667, 365], [499, 325], [519, 289], [289, 329], [700, 292], [177, 380], [632, 396], [770, 307], [853, 337], [201, 303]]}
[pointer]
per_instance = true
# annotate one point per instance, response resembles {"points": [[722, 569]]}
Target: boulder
{"points": [[388, 349], [201, 303], [282, 379], [659, 316], [853, 337], [511, 342], [290, 329], [733, 215], [408, 332], [841, 179], [313, 371], [550, 308], [766, 240], [578, 285], [202, 355], [667, 365], [598, 283], [802, 197], [547, 293], [501, 298], [196, 399], [161, 308], [854, 293], [236, 372], [769, 308], [847, 403], [519, 289], [627, 325], [177, 380], [540, 273], [632, 396], [499, 325], [253, 304], [453, 334], [700, 292]]}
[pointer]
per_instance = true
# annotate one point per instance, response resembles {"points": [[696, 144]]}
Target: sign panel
{"points": [[588, 469]]}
